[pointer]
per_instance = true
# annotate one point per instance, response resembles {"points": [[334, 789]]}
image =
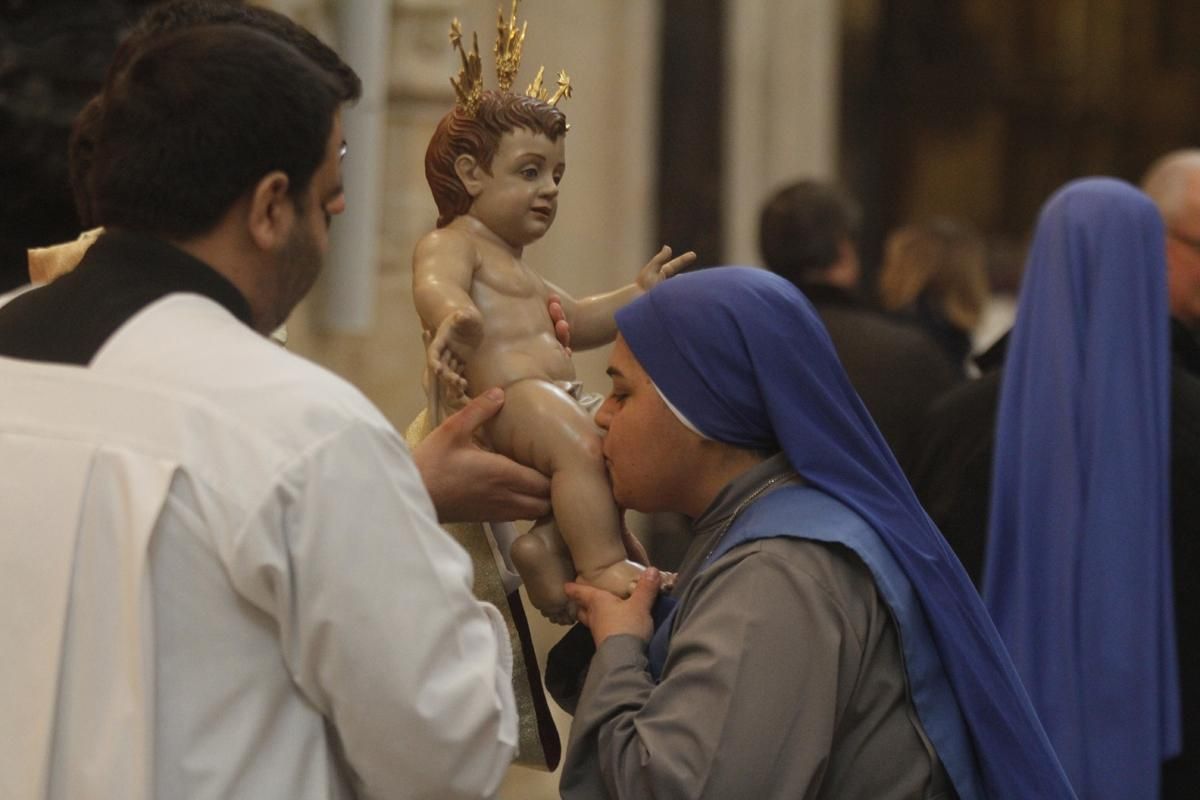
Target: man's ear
{"points": [[469, 171], [272, 211]]}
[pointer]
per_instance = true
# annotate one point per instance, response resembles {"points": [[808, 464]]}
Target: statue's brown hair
{"points": [[479, 136]]}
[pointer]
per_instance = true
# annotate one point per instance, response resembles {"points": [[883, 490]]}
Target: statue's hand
{"points": [[662, 266], [455, 341]]}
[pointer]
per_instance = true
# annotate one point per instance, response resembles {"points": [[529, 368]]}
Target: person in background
{"points": [[1077, 572], [1100, 258], [807, 234], [935, 274], [1173, 183]]}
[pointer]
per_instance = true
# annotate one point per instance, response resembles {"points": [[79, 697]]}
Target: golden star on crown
{"points": [[468, 86], [508, 48]]}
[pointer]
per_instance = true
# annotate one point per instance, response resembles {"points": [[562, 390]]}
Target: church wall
{"points": [[982, 109]]}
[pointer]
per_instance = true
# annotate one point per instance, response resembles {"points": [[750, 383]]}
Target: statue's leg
{"points": [[543, 427], [542, 559]]}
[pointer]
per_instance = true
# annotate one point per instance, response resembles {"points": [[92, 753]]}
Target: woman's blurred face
{"points": [[651, 456]]}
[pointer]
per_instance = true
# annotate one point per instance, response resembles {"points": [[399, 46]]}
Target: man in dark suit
{"points": [[807, 234]]}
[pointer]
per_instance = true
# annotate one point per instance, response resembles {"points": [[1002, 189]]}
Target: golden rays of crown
{"points": [[508, 47], [468, 85]]}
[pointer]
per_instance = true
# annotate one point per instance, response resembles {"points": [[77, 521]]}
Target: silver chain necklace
{"points": [[757, 493]]}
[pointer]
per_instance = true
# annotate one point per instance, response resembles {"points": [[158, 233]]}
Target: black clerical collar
{"points": [[69, 320], [14, 264]]}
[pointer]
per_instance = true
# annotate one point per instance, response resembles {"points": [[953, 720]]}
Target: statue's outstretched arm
{"points": [[443, 268], [591, 318]]}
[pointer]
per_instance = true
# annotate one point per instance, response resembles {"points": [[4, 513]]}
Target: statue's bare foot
{"points": [[567, 614], [553, 605], [618, 578], [549, 598], [544, 571]]}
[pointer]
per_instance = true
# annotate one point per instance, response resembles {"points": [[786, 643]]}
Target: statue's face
{"points": [[518, 200]]}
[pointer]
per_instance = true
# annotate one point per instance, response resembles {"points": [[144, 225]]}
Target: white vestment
{"points": [[222, 578]]}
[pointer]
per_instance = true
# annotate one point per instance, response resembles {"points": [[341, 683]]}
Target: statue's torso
{"points": [[518, 337]]}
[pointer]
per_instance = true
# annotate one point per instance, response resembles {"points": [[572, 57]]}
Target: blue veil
{"points": [[743, 355], [1078, 569]]}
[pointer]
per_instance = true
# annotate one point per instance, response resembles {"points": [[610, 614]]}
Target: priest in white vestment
{"points": [[222, 575]]}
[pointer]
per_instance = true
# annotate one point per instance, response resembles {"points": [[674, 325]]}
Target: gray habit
{"points": [[784, 679]]}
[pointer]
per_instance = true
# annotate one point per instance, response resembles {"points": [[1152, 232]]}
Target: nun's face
{"points": [[648, 451]]}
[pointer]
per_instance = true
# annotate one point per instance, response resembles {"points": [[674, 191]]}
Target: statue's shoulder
{"points": [[445, 244], [447, 237]]}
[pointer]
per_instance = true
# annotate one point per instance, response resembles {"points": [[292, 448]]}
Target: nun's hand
{"points": [[662, 266], [608, 615]]}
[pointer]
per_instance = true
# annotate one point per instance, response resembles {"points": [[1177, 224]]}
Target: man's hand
{"points": [[558, 317], [470, 484], [608, 615], [662, 266]]}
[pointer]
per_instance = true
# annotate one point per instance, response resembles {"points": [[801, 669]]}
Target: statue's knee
{"points": [[528, 552]]}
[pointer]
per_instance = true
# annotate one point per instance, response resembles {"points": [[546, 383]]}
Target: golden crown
{"points": [[468, 85]]}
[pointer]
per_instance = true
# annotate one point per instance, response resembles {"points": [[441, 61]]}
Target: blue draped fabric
{"points": [[1078, 569], [744, 356]]}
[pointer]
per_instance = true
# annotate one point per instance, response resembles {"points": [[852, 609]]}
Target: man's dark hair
{"points": [[175, 16], [802, 227], [196, 118], [180, 15]]}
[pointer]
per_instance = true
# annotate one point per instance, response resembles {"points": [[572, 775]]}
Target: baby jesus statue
{"points": [[494, 165]]}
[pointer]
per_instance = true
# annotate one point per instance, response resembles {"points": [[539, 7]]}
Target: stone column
{"points": [[781, 107]]}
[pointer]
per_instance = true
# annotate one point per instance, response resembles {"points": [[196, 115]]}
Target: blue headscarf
{"points": [[1078, 569], [743, 355]]}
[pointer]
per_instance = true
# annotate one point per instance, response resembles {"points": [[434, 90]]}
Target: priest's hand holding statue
{"points": [[494, 165]]}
